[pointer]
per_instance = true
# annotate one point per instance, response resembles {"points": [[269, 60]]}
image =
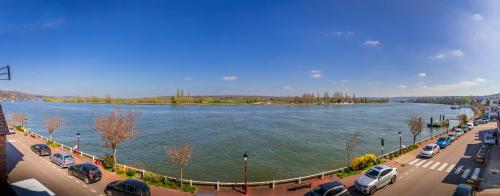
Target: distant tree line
{"points": [[184, 97], [447, 100]]}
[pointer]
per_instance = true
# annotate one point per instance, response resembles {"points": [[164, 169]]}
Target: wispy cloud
{"points": [[481, 80], [422, 75], [188, 78], [452, 87], [229, 78], [477, 17], [54, 23], [315, 73], [451, 53], [375, 83], [402, 86], [371, 43], [340, 34]]}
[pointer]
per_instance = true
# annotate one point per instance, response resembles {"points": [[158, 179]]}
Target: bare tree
{"points": [[18, 119], [351, 143], [463, 119], [416, 126], [117, 127], [180, 156], [52, 124]]}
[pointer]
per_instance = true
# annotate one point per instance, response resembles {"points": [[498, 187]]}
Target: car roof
{"points": [[431, 145], [330, 185], [135, 183], [87, 165], [380, 167], [41, 145]]}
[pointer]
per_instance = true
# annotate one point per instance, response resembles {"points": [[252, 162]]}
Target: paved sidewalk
{"points": [[491, 176]]}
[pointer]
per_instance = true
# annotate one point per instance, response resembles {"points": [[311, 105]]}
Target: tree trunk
{"points": [[181, 177], [414, 138], [114, 153], [348, 157]]}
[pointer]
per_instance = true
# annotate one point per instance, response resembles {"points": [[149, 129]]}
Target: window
{"points": [[130, 189], [384, 173], [122, 186], [336, 190]]}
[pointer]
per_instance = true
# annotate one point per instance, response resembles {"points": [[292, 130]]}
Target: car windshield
{"points": [[69, 158], [442, 139], [372, 173], [428, 148], [318, 191]]}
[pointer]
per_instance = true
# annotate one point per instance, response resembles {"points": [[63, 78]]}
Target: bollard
{"points": [[322, 175], [272, 185], [300, 180], [142, 176], [80, 153], [93, 159], [191, 182], [217, 185]]}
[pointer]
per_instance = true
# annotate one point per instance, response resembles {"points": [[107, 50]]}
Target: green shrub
{"points": [[365, 161], [108, 161], [188, 188], [52, 144], [120, 169], [131, 172], [169, 184]]}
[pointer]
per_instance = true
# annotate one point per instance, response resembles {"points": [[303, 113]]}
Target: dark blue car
{"points": [[442, 142]]}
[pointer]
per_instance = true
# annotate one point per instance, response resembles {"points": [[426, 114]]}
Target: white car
{"points": [[430, 150], [12, 131]]}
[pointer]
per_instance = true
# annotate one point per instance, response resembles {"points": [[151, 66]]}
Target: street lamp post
{"points": [[77, 142], [399, 143], [245, 158]]}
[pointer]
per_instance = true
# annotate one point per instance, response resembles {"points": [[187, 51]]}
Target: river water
{"points": [[282, 141]]}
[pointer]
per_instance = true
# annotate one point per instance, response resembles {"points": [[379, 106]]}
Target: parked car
{"points": [[481, 121], [443, 142], [475, 123], [489, 138], [12, 131], [63, 159], [430, 150], [88, 172], [481, 154], [376, 178], [127, 187], [463, 190], [41, 149], [470, 126], [465, 129], [452, 136], [333, 188]]}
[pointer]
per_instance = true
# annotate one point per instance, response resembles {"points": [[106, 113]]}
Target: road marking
{"points": [[427, 164], [53, 166], [459, 169], [414, 161], [466, 173], [420, 163], [442, 166], [85, 186], [435, 165], [11, 141], [69, 177], [77, 181], [450, 168], [476, 173], [93, 190]]}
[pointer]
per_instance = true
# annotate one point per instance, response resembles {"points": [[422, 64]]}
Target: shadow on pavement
{"points": [[14, 156], [458, 174]]}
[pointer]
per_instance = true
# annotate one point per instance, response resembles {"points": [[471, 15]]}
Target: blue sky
{"points": [[279, 48]]}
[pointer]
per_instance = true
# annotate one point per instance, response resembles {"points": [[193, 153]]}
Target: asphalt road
{"points": [[441, 174], [24, 164]]}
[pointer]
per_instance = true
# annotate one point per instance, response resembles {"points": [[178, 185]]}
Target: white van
{"points": [[470, 126], [489, 138]]}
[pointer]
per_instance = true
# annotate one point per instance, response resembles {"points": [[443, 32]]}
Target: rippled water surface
{"points": [[282, 141]]}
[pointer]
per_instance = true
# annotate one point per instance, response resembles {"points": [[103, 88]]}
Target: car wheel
{"points": [[61, 165], [372, 190], [108, 193], [70, 172], [87, 181], [393, 179]]}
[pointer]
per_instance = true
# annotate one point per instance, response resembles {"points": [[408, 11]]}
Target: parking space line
{"points": [[427, 164], [435, 165], [77, 181], [414, 161], [459, 169], [450, 168], [442, 166], [466, 173], [85, 186], [420, 163], [93, 190], [476, 173]]}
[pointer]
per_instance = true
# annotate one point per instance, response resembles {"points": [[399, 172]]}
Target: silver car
{"points": [[376, 178], [63, 159], [430, 150]]}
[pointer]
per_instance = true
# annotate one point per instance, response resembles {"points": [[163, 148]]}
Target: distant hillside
{"points": [[15, 95]]}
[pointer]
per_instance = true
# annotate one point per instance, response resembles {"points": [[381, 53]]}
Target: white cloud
{"points": [[53, 23], [315, 73], [372, 43], [481, 80], [447, 89], [450, 53], [229, 78], [402, 86], [422, 75], [344, 81], [289, 88], [188, 78], [375, 83], [477, 17], [342, 34]]}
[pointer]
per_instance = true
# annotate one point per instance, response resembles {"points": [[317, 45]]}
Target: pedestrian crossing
{"points": [[445, 167]]}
